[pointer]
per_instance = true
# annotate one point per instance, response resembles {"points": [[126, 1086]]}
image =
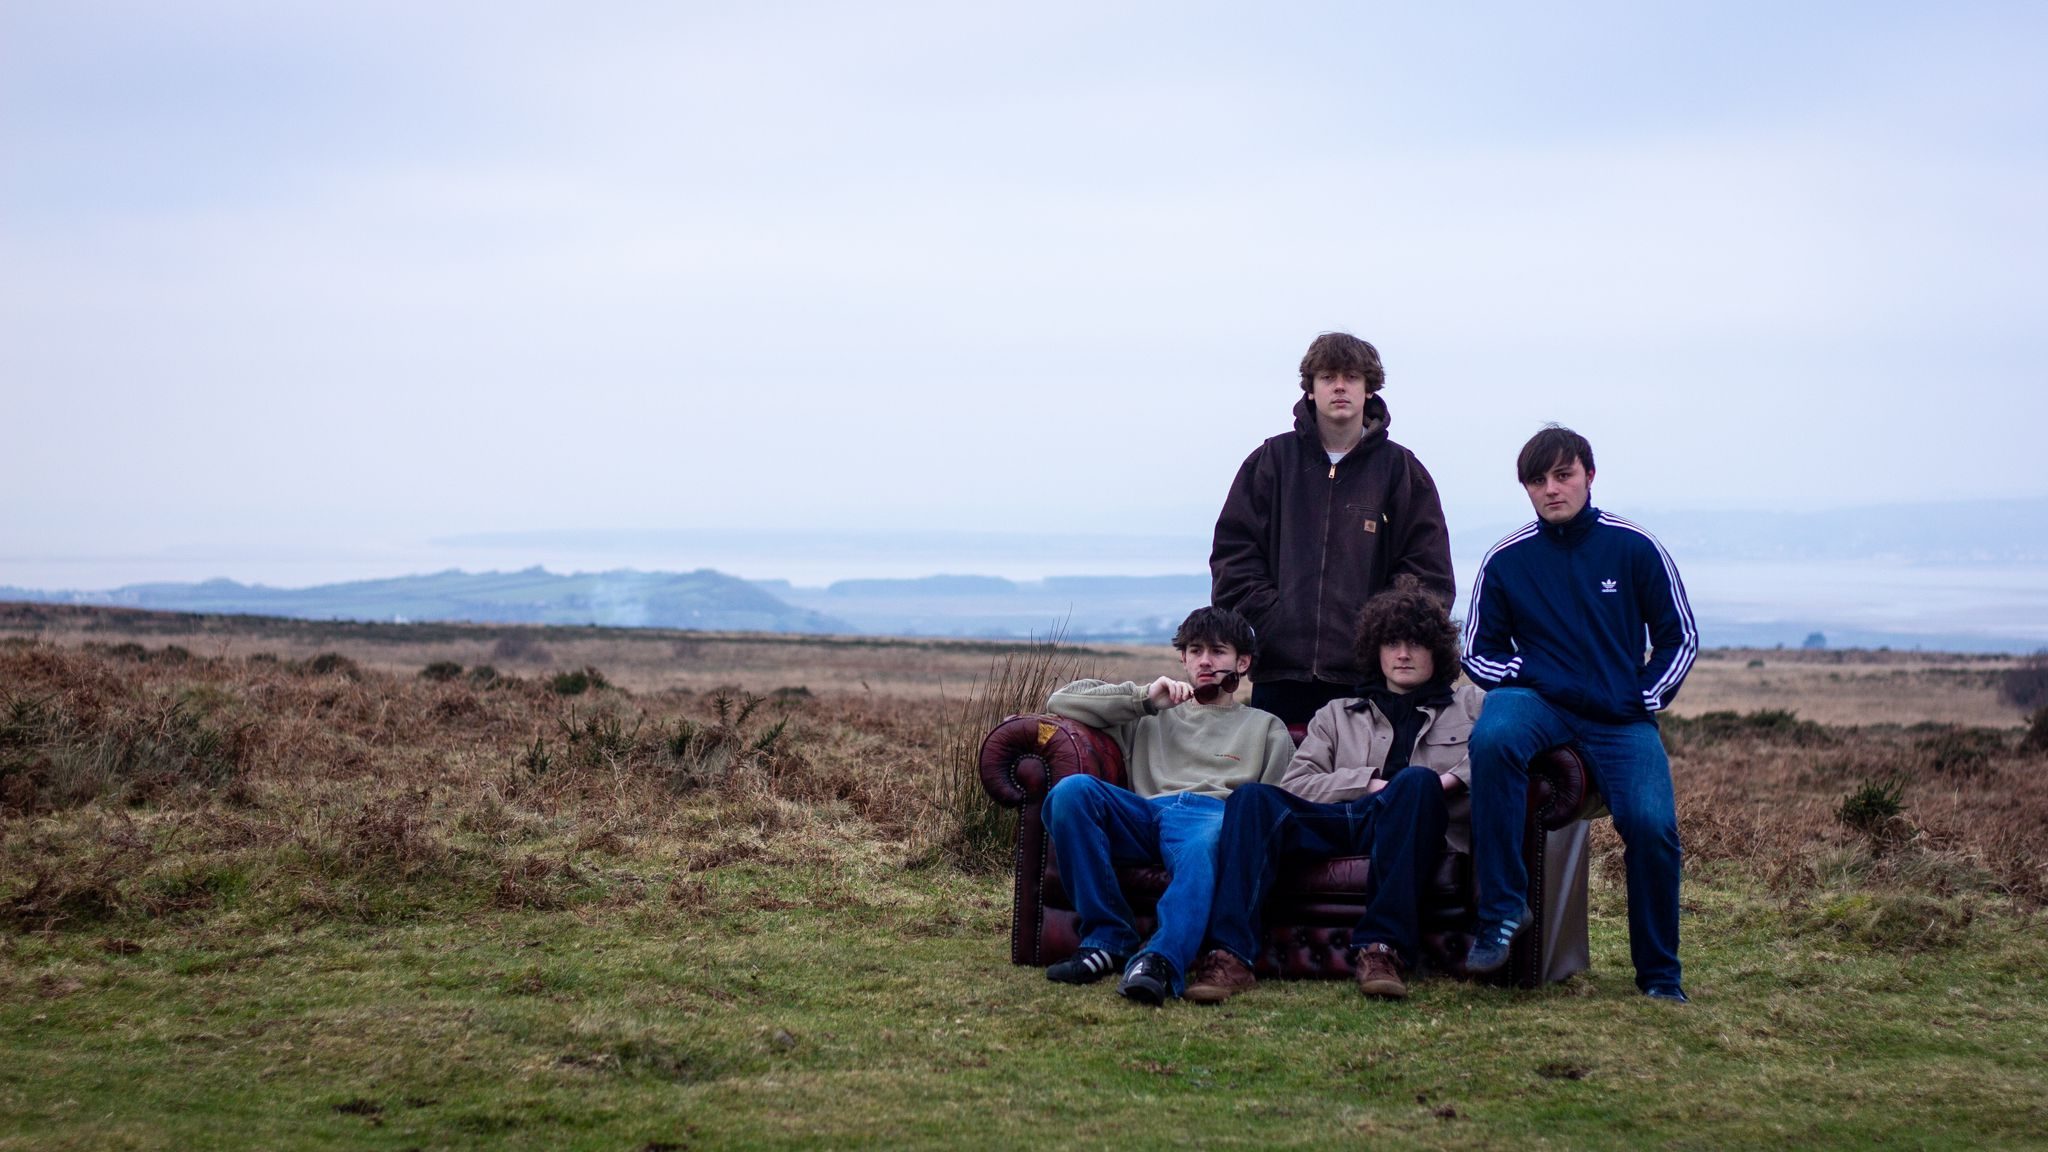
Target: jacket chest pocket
{"points": [[1444, 751], [1366, 518]]}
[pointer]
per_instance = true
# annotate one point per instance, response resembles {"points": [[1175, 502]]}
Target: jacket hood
{"points": [[1377, 420]]}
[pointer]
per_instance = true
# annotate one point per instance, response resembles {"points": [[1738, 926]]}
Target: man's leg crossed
{"points": [[1263, 825]]}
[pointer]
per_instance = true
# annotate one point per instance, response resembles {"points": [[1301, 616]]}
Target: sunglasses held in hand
{"points": [[1209, 693]]}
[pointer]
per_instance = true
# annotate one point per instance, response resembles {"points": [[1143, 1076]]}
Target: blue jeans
{"points": [[1095, 826], [1634, 775], [1401, 827]]}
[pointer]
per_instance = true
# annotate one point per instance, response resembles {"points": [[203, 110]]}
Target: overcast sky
{"points": [[334, 281]]}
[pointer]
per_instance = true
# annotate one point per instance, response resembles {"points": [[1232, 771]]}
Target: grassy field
{"points": [[265, 885]]}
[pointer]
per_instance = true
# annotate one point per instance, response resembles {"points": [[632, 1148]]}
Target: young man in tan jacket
{"points": [[1187, 745], [1385, 776]]}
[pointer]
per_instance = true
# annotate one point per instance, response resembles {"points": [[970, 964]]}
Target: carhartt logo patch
{"points": [[1372, 525], [1608, 586]]}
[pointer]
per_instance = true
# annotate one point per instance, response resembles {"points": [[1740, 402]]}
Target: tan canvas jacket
{"points": [[1344, 751]]}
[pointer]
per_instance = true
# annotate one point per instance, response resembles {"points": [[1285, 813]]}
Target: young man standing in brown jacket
{"points": [[1317, 521]]}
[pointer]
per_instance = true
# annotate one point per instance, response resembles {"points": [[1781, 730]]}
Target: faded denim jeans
{"points": [[1096, 826]]}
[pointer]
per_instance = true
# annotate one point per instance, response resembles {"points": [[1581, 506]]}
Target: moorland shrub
{"points": [[1876, 809], [2025, 685], [600, 739], [701, 754], [520, 647], [328, 664], [59, 751], [1774, 725], [1956, 751], [2036, 739], [131, 651], [126, 650], [577, 682], [441, 671]]}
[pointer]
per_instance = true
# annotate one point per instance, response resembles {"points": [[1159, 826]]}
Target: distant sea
{"points": [[1850, 603], [1869, 604]]}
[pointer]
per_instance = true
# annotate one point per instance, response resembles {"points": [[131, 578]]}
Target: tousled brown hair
{"points": [[1212, 626], [1342, 352]]}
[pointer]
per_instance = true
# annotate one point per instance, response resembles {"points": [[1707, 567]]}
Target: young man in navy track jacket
{"points": [[1555, 632]]}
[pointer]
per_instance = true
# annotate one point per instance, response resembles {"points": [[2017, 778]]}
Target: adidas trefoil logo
{"points": [[1607, 586]]}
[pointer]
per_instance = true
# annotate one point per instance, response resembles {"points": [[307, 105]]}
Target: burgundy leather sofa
{"points": [[1310, 913]]}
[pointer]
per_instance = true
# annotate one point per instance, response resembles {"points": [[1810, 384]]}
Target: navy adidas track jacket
{"points": [[1565, 610]]}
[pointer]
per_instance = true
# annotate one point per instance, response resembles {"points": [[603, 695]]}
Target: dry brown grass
{"points": [[641, 660], [1763, 791], [162, 777], [355, 793], [1853, 686]]}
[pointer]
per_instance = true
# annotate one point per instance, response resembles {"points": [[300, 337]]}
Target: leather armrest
{"points": [[1561, 790], [1024, 756]]}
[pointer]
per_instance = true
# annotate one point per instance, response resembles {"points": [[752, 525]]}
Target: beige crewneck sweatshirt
{"points": [[1209, 748]]}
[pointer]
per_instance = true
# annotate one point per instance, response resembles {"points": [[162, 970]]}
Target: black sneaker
{"points": [[1490, 946], [1669, 992], [1148, 980], [1084, 967]]}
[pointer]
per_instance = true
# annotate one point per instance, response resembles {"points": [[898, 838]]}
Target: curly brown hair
{"points": [[1407, 612]]}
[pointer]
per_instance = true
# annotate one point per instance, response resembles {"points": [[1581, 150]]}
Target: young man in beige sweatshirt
{"points": [[1187, 744]]}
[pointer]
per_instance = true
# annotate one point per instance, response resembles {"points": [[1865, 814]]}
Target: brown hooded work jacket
{"points": [[1302, 543]]}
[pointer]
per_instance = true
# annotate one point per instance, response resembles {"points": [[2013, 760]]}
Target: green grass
{"points": [[793, 1004]]}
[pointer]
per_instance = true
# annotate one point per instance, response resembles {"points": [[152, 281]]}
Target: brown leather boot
{"points": [[1217, 977], [1379, 972]]}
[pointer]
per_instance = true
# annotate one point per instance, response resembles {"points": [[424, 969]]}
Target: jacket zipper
{"points": [[1315, 661]]}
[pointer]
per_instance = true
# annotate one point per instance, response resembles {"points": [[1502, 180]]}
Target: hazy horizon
{"points": [[1963, 534], [1978, 581]]}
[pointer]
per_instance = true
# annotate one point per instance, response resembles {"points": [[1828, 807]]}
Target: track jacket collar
{"points": [[1573, 530]]}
